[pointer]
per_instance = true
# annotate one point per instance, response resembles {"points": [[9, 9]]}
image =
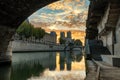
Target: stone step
{"points": [[110, 74], [113, 16], [91, 76], [109, 78], [110, 69], [112, 11], [113, 20], [113, 6]]}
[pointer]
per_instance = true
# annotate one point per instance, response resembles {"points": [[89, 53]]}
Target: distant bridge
{"points": [[77, 46], [72, 47]]}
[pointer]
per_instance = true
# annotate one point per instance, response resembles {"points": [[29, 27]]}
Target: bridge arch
{"points": [[12, 14]]}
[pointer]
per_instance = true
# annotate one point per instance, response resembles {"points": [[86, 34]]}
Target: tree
{"points": [[38, 33], [78, 42], [27, 30], [62, 41]]}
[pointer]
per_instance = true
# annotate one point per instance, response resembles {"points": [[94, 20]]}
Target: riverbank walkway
{"points": [[99, 70]]}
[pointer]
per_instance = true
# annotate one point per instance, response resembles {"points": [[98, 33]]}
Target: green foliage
{"points": [[38, 33], [62, 41], [27, 30], [78, 42], [23, 71]]}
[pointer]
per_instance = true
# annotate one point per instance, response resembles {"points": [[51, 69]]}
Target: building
{"points": [[62, 34], [69, 34], [54, 36], [67, 39], [103, 24], [49, 38]]}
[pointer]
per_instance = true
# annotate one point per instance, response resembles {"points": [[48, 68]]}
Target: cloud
{"points": [[64, 14], [68, 5]]}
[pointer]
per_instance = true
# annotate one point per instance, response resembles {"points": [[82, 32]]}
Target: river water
{"points": [[45, 66]]}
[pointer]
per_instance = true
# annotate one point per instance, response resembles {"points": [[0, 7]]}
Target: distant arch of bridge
{"points": [[72, 47]]}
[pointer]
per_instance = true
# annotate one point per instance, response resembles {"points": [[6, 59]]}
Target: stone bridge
{"points": [[12, 14], [72, 47]]}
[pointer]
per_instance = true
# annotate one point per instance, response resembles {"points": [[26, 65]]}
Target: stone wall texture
{"points": [[25, 46]]}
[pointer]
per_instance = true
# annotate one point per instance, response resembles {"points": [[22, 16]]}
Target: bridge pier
{"points": [[5, 45], [6, 56]]}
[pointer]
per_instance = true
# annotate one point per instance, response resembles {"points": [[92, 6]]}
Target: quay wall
{"points": [[26, 46]]}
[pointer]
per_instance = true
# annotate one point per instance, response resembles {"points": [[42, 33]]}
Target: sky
{"points": [[68, 15]]}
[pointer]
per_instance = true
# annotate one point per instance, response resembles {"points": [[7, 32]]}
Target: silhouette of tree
{"points": [[27, 30], [62, 41], [78, 42]]}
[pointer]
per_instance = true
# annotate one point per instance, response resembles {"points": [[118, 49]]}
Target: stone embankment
{"points": [[20, 46]]}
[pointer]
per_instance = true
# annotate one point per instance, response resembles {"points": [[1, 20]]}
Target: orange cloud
{"points": [[66, 4], [56, 5]]}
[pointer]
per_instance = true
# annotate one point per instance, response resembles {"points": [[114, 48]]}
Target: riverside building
{"points": [[103, 29]]}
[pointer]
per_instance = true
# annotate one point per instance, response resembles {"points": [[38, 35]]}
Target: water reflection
{"points": [[29, 66], [67, 57], [52, 61], [5, 72], [23, 71]]}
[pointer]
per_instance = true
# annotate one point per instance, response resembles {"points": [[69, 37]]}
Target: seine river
{"points": [[45, 66]]}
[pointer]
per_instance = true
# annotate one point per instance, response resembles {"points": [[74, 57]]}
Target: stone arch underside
{"points": [[12, 14], [96, 12]]}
